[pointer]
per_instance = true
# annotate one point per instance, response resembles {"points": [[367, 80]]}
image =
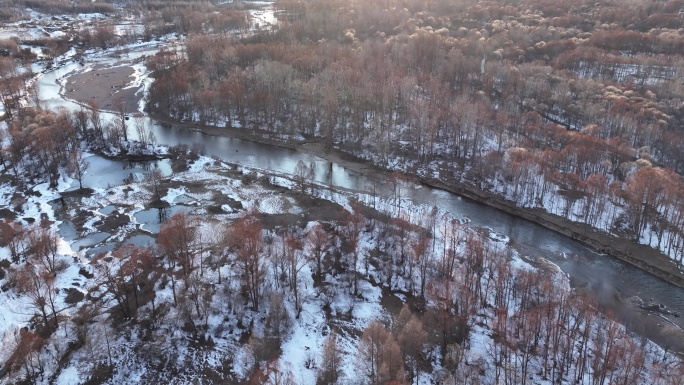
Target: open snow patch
{"points": [[271, 205], [68, 376]]}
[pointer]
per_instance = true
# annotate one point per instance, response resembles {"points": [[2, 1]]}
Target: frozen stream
{"points": [[608, 277]]}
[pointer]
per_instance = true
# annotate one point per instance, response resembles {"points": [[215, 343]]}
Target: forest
{"points": [[574, 108], [254, 276]]}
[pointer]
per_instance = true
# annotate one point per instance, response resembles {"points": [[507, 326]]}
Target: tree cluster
{"points": [[255, 276], [551, 106]]}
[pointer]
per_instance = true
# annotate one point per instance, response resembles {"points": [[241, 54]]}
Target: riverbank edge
{"points": [[640, 256]]}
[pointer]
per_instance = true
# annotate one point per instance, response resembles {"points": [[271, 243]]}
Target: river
{"points": [[611, 280]]}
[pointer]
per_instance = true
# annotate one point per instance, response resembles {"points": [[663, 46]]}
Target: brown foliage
{"points": [[318, 241], [380, 356], [244, 238], [26, 354], [176, 239], [38, 285], [13, 235], [331, 360]]}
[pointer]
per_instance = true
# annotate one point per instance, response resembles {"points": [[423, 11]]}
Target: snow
{"points": [[20, 33], [6, 192], [271, 205], [302, 344], [139, 76], [69, 376], [264, 16], [91, 16], [623, 72], [35, 207], [199, 165], [57, 34], [369, 309], [173, 194], [306, 339], [12, 318], [519, 264]]}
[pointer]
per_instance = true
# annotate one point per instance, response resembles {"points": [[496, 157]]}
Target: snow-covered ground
{"points": [[303, 340], [127, 346]]}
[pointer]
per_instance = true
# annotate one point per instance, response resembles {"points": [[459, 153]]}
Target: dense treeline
{"points": [[189, 17], [257, 276], [576, 108]]}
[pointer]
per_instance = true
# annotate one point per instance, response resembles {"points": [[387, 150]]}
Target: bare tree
{"points": [[38, 285], [296, 261], [411, 335], [154, 178], [81, 118], [120, 110], [355, 222], [277, 375], [137, 264], [27, 355], [145, 136], [199, 297], [303, 173], [112, 280], [77, 166], [3, 148], [422, 257], [277, 320], [331, 361], [42, 247], [33, 91], [244, 237], [379, 355], [96, 120], [104, 36], [176, 238], [13, 235], [318, 242], [11, 84]]}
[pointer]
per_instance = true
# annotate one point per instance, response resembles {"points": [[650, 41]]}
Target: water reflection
{"points": [[89, 240], [140, 240], [105, 173], [151, 219]]}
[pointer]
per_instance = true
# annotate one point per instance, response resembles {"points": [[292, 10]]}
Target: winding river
{"points": [[611, 280]]}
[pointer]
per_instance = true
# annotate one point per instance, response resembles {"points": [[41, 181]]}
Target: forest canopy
{"points": [[572, 107]]}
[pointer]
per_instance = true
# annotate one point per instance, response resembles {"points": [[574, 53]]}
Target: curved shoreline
{"points": [[641, 256]]}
